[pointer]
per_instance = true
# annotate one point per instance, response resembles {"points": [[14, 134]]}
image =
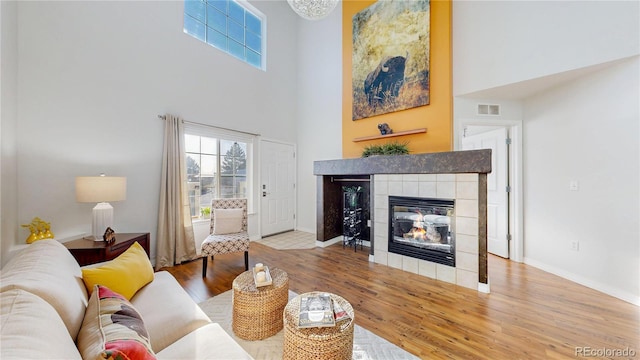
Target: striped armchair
{"points": [[225, 243]]}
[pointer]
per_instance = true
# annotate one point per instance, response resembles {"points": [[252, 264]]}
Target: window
{"points": [[233, 26], [216, 168]]}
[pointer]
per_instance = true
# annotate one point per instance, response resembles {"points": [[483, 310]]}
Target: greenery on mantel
{"points": [[391, 148]]}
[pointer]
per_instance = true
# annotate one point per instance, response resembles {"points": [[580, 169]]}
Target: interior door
{"points": [[497, 182], [277, 190]]}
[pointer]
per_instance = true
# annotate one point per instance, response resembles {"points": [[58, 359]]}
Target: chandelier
{"points": [[313, 9]]}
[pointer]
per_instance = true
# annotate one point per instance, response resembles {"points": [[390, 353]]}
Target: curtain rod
{"points": [[163, 117]]}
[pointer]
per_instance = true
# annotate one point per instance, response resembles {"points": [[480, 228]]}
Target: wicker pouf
{"points": [[317, 343], [257, 312]]}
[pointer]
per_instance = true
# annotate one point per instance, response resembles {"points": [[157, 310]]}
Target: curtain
{"points": [[175, 233]]}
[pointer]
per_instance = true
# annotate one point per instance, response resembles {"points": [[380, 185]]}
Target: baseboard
{"points": [[617, 293], [484, 288], [329, 242], [303, 229]]}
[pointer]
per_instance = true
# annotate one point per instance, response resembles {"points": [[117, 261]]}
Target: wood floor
{"points": [[529, 314]]}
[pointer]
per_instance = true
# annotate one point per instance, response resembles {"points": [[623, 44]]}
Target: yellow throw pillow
{"points": [[126, 274]]}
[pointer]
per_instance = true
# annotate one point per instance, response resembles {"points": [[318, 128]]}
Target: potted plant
{"points": [[391, 148]]}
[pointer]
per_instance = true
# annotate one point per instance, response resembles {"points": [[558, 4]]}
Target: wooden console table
{"points": [[90, 252]]}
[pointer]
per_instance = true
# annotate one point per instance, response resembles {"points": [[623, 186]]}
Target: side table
{"points": [[90, 251], [257, 311], [317, 343]]}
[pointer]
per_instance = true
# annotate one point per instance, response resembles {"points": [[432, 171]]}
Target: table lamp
{"points": [[101, 189]]}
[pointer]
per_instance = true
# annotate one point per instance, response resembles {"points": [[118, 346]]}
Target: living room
{"points": [[83, 83]]}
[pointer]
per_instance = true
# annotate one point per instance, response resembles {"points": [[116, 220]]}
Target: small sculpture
{"points": [[384, 129], [109, 235], [38, 230]]}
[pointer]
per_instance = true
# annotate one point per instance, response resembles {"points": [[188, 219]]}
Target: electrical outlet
{"points": [[575, 245]]}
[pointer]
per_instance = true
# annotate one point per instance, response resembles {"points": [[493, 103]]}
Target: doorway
{"points": [[504, 184], [277, 187]]}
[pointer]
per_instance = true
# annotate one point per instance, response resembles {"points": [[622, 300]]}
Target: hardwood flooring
{"points": [[529, 314]]}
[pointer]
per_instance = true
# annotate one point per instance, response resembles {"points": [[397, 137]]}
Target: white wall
{"points": [[504, 42], [319, 106], [8, 123], [587, 131], [93, 77], [560, 67]]}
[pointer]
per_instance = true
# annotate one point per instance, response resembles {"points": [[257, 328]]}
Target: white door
{"points": [[277, 190], [497, 182]]}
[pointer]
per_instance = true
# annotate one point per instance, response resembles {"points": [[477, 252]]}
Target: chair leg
{"points": [[204, 266], [246, 260]]}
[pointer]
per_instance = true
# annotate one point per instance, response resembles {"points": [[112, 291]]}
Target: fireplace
{"points": [[422, 228]]}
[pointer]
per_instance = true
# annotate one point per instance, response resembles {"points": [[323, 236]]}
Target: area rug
{"points": [[366, 345]]}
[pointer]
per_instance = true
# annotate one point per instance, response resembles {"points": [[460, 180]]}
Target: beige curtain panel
{"points": [[175, 233]]}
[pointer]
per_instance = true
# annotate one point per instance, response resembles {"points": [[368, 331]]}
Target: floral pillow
{"points": [[113, 329]]}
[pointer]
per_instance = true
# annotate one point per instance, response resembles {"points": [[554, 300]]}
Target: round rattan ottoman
{"points": [[257, 311], [317, 343]]}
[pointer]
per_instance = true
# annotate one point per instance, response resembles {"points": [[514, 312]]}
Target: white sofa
{"points": [[43, 302]]}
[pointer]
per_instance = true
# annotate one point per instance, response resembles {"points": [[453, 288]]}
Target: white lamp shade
{"points": [[95, 189]]}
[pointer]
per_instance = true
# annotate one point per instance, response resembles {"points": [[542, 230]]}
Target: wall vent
{"points": [[486, 109]]}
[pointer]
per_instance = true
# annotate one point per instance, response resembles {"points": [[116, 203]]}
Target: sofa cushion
{"points": [[227, 221], [125, 274], [207, 342], [47, 269], [113, 329], [167, 310], [30, 328]]}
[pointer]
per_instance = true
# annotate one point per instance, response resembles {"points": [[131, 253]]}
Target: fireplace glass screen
{"points": [[422, 228]]}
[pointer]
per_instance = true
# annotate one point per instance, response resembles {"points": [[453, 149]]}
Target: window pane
{"points": [[254, 59], [195, 8], [253, 42], [253, 23], [216, 20], [208, 145], [193, 167], [236, 49], [236, 32], [240, 186], [208, 165], [236, 12], [220, 5], [194, 27], [192, 143], [217, 39]]}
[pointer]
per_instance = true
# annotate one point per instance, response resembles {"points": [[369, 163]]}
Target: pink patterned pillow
{"points": [[113, 329]]}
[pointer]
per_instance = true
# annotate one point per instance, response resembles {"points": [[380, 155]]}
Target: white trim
{"points": [[484, 288], [329, 242], [516, 247], [604, 288]]}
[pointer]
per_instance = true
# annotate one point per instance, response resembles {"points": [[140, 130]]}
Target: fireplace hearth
{"points": [[422, 228]]}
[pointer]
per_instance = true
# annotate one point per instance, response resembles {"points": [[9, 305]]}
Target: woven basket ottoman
{"points": [[317, 343], [257, 311]]}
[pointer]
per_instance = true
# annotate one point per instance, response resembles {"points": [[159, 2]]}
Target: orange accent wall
{"points": [[437, 117]]}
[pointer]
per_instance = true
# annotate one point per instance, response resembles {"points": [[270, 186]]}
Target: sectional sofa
{"points": [[47, 312]]}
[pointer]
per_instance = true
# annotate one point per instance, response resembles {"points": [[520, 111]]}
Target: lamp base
{"points": [[102, 219]]}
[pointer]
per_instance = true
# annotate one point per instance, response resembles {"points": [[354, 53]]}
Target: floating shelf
{"points": [[399, 133]]}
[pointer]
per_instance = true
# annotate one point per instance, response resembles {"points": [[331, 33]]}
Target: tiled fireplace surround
{"points": [[458, 175]]}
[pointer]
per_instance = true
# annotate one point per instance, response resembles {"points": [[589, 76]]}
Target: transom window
{"points": [[216, 168], [233, 26]]}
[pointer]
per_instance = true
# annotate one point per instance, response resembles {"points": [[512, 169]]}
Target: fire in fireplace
{"points": [[422, 228]]}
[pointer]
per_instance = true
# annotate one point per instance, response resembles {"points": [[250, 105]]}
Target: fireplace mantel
{"points": [[451, 162], [332, 175]]}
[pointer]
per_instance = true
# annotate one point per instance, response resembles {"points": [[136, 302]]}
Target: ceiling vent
{"points": [[485, 109]]}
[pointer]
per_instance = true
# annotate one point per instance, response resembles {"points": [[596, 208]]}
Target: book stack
{"points": [[319, 310]]}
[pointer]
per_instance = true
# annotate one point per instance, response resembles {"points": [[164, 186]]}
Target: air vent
{"points": [[485, 109]]}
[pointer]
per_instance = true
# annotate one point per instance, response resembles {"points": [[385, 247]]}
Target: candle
{"points": [[261, 276], [259, 266]]}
